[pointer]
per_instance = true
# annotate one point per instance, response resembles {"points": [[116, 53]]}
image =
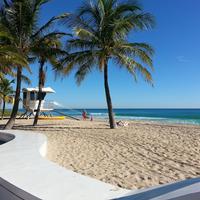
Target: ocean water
{"points": [[179, 116]]}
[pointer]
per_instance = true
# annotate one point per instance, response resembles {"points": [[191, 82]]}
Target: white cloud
{"points": [[56, 104], [182, 59]]}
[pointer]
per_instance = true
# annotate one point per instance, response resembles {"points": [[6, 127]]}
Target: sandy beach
{"points": [[141, 155]]}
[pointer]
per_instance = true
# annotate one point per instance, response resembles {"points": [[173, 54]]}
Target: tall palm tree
{"points": [[20, 19], [101, 31], [9, 55], [47, 50], [6, 93]]}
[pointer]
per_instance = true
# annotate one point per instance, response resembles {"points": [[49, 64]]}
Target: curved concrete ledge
{"points": [[22, 164]]}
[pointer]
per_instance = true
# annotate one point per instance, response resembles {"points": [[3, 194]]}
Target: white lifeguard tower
{"points": [[31, 100]]}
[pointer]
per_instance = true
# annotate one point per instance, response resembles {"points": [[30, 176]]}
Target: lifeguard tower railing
{"points": [[48, 105], [45, 106]]}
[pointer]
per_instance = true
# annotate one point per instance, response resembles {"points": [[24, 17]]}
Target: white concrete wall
{"points": [[22, 164]]}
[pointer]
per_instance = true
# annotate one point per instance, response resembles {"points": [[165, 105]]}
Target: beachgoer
{"points": [[121, 123], [91, 118], [84, 115]]}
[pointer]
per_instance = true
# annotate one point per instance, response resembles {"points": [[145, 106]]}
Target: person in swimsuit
{"points": [[84, 115]]}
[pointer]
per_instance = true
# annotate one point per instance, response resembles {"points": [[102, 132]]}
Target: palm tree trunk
{"points": [[0, 102], [108, 98], [11, 121], [3, 110], [41, 85]]}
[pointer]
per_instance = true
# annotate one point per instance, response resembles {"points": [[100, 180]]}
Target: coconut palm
{"points": [[101, 31], [47, 50], [9, 55], [19, 18], [6, 93]]}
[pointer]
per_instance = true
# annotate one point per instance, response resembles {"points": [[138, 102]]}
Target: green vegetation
{"points": [[7, 113], [100, 31], [19, 19], [6, 92], [49, 50]]}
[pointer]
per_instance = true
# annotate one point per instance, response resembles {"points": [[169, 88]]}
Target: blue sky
{"points": [[176, 40]]}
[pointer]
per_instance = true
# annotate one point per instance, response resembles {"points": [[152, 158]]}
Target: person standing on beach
{"points": [[84, 115], [91, 118]]}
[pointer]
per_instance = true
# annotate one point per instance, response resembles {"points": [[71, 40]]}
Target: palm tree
{"points": [[48, 49], [19, 18], [6, 93], [101, 31], [9, 55]]}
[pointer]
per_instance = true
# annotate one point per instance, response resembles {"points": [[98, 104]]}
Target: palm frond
{"points": [[6, 3], [134, 67], [84, 33], [75, 44], [84, 70], [6, 88], [26, 80], [49, 25], [141, 51], [78, 59], [9, 56], [101, 33]]}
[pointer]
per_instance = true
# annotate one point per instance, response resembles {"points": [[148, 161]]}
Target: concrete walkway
{"points": [[22, 164]]}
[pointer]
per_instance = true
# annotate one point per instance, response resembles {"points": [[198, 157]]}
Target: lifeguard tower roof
{"points": [[46, 90]]}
